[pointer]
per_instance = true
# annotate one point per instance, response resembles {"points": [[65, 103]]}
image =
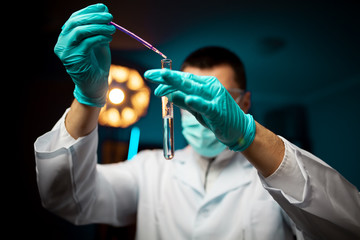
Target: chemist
{"points": [[235, 180]]}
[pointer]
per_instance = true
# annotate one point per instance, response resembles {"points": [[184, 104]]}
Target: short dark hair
{"points": [[208, 57]]}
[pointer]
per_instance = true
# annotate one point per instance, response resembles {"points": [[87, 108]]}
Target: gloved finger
{"points": [[200, 105], [85, 45], [171, 76], [91, 9], [94, 41], [163, 90], [182, 81], [178, 98], [189, 84], [162, 75], [80, 33], [154, 75], [86, 19]]}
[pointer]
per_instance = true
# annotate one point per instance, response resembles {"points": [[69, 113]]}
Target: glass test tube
{"points": [[168, 119]]}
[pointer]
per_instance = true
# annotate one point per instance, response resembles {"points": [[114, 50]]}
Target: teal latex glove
{"points": [[208, 100], [83, 47]]}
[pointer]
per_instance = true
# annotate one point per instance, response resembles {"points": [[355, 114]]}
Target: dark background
{"points": [[302, 60]]}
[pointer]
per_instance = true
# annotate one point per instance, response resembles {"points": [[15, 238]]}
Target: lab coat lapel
{"points": [[236, 174], [187, 170]]}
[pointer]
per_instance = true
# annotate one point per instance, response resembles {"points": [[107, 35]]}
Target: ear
{"points": [[245, 102]]}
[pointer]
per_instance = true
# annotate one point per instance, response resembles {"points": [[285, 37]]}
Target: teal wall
{"points": [[308, 60]]}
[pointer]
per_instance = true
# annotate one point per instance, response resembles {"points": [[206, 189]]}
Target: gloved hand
{"points": [[83, 47], [208, 100]]}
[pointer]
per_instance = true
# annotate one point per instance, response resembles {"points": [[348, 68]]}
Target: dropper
{"points": [[145, 43]]}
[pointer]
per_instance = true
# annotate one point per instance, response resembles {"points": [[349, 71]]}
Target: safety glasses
{"points": [[236, 93]]}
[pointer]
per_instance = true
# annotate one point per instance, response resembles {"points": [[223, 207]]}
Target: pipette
{"points": [[145, 43]]}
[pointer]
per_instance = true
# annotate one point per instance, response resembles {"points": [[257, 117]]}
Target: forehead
{"points": [[224, 73]]}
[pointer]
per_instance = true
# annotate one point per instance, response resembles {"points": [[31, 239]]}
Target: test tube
{"points": [[168, 119]]}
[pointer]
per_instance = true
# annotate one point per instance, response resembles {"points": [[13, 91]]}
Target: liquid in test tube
{"points": [[168, 119]]}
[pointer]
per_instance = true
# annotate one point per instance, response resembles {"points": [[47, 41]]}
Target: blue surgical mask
{"points": [[200, 138]]}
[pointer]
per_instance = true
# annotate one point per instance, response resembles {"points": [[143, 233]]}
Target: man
{"points": [[235, 180]]}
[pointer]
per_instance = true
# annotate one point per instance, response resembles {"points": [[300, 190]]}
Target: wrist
{"points": [[93, 101], [266, 152], [246, 136], [81, 119]]}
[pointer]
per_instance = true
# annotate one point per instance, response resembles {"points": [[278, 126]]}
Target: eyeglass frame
{"points": [[236, 91]]}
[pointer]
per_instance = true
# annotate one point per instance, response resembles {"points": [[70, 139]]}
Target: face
{"points": [[225, 74]]}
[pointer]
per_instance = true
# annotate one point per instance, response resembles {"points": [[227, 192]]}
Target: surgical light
{"points": [[116, 96], [127, 100]]}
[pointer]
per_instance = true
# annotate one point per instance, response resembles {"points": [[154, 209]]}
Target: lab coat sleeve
{"points": [[72, 185], [317, 198]]}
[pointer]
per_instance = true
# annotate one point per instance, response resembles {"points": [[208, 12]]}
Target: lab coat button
{"points": [[205, 212]]}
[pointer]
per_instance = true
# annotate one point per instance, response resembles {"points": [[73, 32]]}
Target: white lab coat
{"points": [[168, 200]]}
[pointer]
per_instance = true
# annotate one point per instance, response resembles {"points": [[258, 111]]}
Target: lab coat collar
{"points": [[236, 173]]}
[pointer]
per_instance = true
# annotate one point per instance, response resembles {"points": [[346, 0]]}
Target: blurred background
{"points": [[302, 61]]}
